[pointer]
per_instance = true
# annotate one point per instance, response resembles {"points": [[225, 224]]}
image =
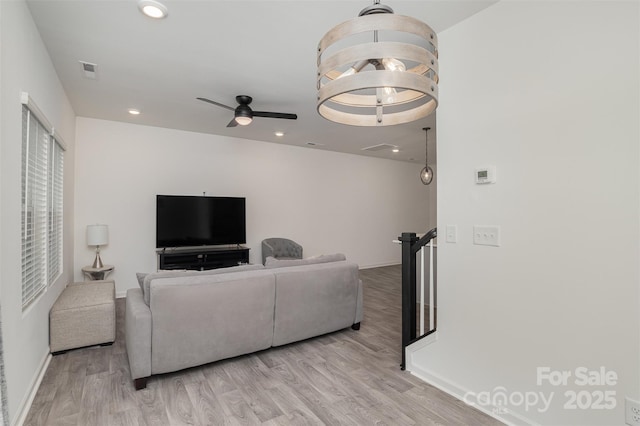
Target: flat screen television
{"points": [[189, 221]]}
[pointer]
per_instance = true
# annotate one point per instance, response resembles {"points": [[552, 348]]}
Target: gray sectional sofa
{"points": [[177, 320]]}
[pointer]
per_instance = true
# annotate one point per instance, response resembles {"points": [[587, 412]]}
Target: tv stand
{"points": [[202, 258]]}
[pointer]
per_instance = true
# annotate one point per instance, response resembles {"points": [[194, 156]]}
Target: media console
{"points": [[200, 259]]}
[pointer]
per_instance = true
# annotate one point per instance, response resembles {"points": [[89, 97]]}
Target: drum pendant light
{"points": [[387, 74]]}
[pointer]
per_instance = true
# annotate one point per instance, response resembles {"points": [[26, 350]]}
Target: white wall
{"points": [[326, 201], [26, 67], [548, 92], [432, 197]]}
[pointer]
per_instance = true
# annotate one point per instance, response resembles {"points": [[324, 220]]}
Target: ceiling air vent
{"points": [[380, 147], [89, 70]]}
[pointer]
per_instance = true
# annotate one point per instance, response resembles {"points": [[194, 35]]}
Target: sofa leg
{"points": [[356, 326], [140, 383]]}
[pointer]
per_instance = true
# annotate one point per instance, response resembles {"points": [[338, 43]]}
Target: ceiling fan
{"points": [[243, 114]]}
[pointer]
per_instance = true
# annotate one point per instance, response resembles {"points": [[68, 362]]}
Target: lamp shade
{"points": [[97, 235]]}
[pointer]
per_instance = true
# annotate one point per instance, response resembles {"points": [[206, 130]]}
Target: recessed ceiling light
{"points": [[395, 150], [153, 9], [279, 134], [133, 111]]}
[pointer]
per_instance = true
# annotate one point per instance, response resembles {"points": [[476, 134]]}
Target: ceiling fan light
{"points": [[244, 121], [243, 114]]}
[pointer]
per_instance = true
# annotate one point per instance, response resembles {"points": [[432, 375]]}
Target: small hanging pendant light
{"points": [[426, 174]]}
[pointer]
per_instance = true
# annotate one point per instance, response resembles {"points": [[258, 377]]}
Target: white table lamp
{"points": [[97, 235]]}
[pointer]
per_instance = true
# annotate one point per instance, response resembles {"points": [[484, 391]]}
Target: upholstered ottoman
{"points": [[83, 315]]}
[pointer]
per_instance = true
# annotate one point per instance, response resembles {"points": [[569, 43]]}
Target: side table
{"points": [[94, 274]]}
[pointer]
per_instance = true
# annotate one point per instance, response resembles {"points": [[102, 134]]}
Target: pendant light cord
{"points": [[426, 147]]}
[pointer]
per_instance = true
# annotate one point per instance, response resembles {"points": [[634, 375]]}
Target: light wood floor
{"points": [[344, 378]]}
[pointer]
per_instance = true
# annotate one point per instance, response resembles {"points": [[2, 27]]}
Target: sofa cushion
{"points": [[206, 318], [272, 263], [314, 299], [173, 274]]}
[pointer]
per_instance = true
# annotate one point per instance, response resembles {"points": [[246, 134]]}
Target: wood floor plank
{"points": [[122, 396], [71, 420], [39, 412], [98, 359], [151, 405], [207, 407], [94, 409], [343, 378], [177, 403], [132, 417], [68, 397], [318, 404], [218, 378], [296, 411], [237, 409], [249, 370], [260, 402]]}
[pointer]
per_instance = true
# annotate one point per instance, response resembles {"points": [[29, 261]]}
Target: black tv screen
{"points": [[186, 221]]}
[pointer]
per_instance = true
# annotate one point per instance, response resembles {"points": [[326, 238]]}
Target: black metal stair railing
{"points": [[411, 245]]}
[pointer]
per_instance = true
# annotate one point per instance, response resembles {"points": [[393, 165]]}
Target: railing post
{"points": [[408, 239]]}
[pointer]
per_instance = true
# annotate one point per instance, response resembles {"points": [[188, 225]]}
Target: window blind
{"points": [[54, 252], [42, 206]]}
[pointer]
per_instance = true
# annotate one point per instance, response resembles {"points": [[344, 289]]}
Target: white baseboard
{"points": [[25, 405], [459, 392], [379, 265], [411, 349]]}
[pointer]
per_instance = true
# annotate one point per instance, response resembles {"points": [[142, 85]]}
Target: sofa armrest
{"points": [[359, 306], [138, 334]]}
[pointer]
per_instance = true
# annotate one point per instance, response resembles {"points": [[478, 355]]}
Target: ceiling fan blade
{"points": [[267, 114], [232, 123], [215, 103]]}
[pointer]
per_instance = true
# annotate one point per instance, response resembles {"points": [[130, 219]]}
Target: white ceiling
{"points": [[220, 49]]}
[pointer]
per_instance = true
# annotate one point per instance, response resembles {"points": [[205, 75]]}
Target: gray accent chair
{"points": [[280, 248]]}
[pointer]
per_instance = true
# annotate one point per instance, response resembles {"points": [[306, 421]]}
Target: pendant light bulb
{"points": [[426, 175]]}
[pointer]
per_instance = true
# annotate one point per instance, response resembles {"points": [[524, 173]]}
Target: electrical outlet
{"points": [[632, 412], [486, 235]]}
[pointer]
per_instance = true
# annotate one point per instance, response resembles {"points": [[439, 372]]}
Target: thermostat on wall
{"points": [[486, 175]]}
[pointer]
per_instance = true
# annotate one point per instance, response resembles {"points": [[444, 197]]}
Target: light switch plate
{"points": [[486, 235], [452, 234]]}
